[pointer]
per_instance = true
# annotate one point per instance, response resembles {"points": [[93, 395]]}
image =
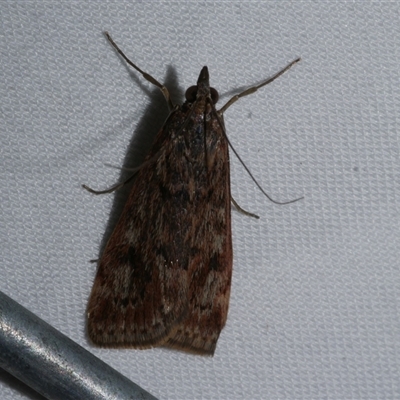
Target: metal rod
{"points": [[54, 365]]}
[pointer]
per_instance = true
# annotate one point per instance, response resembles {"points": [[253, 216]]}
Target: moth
{"points": [[164, 277]]}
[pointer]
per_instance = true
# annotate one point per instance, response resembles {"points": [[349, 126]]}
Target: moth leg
{"points": [[253, 89], [242, 211], [121, 184], [146, 76], [111, 189]]}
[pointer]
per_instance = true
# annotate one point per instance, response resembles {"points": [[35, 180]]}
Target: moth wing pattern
{"points": [[141, 287], [164, 277], [210, 267]]}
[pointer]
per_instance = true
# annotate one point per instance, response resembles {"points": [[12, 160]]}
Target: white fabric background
{"points": [[314, 309]]}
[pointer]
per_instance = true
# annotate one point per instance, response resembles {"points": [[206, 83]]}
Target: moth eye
{"points": [[191, 93], [214, 95]]}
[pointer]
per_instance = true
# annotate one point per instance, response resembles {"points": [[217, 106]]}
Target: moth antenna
{"points": [[145, 75], [254, 89]]}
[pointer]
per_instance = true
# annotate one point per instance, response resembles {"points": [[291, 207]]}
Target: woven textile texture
{"points": [[314, 309]]}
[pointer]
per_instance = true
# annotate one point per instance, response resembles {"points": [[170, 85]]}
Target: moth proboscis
{"points": [[164, 277]]}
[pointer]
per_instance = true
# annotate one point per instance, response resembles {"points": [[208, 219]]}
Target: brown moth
{"points": [[164, 277]]}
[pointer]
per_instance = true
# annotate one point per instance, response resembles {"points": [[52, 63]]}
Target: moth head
{"points": [[191, 94], [202, 88]]}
